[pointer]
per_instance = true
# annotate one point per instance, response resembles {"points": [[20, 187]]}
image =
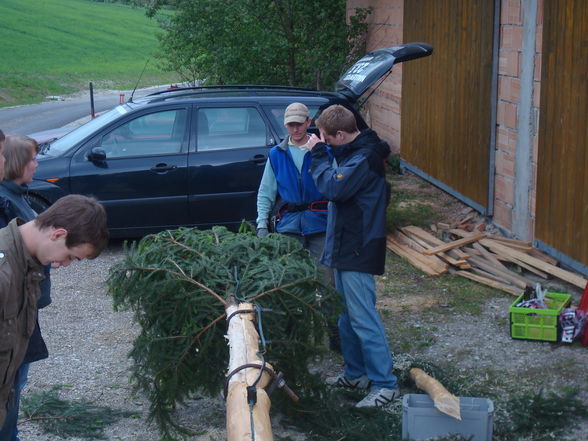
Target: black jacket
{"points": [[357, 191]]}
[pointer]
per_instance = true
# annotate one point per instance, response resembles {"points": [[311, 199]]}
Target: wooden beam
{"points": [[411, 256], [244, 349], [425, 245], [560, 273], [434, 241], [513, 278], [455, 244], [433, 261], [489, 282], [488, 255]]}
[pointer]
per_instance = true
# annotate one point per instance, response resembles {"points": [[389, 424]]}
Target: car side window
{"points": [[159, 133], [221, 128]]}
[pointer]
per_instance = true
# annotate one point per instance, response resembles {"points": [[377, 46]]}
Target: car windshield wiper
{"points": [[44, 147]]}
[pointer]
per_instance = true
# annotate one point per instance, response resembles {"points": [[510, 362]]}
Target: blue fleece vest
{"points": [[297, 188]]}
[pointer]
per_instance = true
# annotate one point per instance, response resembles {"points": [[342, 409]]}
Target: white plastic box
{"points": [[421, 420]]}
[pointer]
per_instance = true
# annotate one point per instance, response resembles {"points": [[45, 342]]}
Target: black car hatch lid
{"points": [[374, 65]]}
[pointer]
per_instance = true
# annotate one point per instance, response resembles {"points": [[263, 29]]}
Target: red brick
{"points": [[502, 215], [506, 139], [511, 37], [504, 189], [536, 94], [508, 63], [509, 89], [505, 165], [511, 12], [506, 114], [539, 12], [539, 39], [537, 70]]}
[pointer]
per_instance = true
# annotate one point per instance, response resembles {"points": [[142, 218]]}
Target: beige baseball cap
{"points": [[296, 112]]}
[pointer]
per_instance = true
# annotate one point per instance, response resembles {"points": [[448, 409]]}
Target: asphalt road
{"points": [[24, 120]]}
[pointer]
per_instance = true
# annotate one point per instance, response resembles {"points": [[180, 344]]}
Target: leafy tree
{"points": [[296, 42]]}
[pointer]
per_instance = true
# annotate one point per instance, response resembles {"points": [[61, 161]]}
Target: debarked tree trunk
{"points": [[246, 423]]}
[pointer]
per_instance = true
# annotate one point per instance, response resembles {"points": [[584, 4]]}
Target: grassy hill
{"points": [[54, 47]]}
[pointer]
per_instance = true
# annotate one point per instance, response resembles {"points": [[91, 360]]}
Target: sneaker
{"points": [[379, 398], [362, 382]]}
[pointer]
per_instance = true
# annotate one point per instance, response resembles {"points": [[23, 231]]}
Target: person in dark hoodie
{"points": [[355, 246]]}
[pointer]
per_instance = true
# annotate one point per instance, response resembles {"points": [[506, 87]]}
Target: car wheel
{"points": [[37, 203]]}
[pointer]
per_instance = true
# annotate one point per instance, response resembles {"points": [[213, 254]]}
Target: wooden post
{"points": [[242, 424]]}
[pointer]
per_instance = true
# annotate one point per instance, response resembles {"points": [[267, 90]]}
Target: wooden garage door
{"points": [[446, 98], [562, 169]]}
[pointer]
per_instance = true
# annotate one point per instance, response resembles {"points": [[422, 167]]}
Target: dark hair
{"points": [[84, 219], [337, 118], [18, 152], [2, 137]]}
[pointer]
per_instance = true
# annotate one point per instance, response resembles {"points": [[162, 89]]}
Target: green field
{"points": [[56, 47]]}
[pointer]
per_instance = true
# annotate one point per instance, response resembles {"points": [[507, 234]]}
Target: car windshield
{"points": [[64, 143]]}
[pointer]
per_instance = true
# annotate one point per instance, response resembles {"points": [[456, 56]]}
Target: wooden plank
{"points": [[527, 267], [509, 258], [483, 273], [488, 255], [455, 244], [516, 242], [419, 232], [403, 252], [489, 282], [452, 260], [560, 273], [433, 261], [540, 255], [513, 278]]}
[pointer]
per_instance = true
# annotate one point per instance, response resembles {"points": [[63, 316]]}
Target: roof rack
{"points": [[177, 90]]}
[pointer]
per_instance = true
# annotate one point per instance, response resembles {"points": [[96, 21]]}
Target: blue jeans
{"points": [[363, 338], [9, 430]]}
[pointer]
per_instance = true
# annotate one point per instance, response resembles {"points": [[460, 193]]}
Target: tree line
{"points": [[304, 43]]}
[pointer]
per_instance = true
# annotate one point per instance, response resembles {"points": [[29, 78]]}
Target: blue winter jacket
{"points": [[357, 189], [296, 191]]}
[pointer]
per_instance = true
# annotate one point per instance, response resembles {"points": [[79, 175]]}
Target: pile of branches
{"points": [[178, 283]]}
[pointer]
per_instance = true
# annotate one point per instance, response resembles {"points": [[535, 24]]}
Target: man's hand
{"points": [[262, 232], [312, 141]]}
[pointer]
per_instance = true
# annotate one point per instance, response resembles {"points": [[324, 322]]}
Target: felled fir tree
{"points": [[178, 284]]}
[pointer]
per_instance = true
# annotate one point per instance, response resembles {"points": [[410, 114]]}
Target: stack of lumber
{"points": [[495, 261]]}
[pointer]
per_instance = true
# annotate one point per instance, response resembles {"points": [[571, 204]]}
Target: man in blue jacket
{"points": [[288, 190], [355, 246]]}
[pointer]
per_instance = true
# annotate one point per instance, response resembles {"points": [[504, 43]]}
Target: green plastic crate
{"points": [[538, 324]]}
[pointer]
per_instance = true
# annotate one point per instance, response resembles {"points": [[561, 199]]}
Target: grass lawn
{"points": [[53, 47]]}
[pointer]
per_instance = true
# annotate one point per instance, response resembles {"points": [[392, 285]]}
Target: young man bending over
{"points": [[73, 228]]}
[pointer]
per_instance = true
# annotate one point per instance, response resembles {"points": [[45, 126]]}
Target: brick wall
{"points": [[382, 111], [509, 69]]}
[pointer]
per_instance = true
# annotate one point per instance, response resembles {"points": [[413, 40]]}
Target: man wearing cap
{"points": [[288, 190]]}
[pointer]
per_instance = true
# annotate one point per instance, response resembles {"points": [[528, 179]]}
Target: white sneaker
{"points": [[379, 398], [341, 380]]}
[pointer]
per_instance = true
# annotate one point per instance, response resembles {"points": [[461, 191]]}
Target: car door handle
{"points": [[162, 168], [259, 159]]}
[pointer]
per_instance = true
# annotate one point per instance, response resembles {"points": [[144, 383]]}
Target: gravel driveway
{"points": [[88, 345]]}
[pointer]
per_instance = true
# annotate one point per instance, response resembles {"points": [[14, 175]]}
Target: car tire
{"points": [[37, 203]]}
